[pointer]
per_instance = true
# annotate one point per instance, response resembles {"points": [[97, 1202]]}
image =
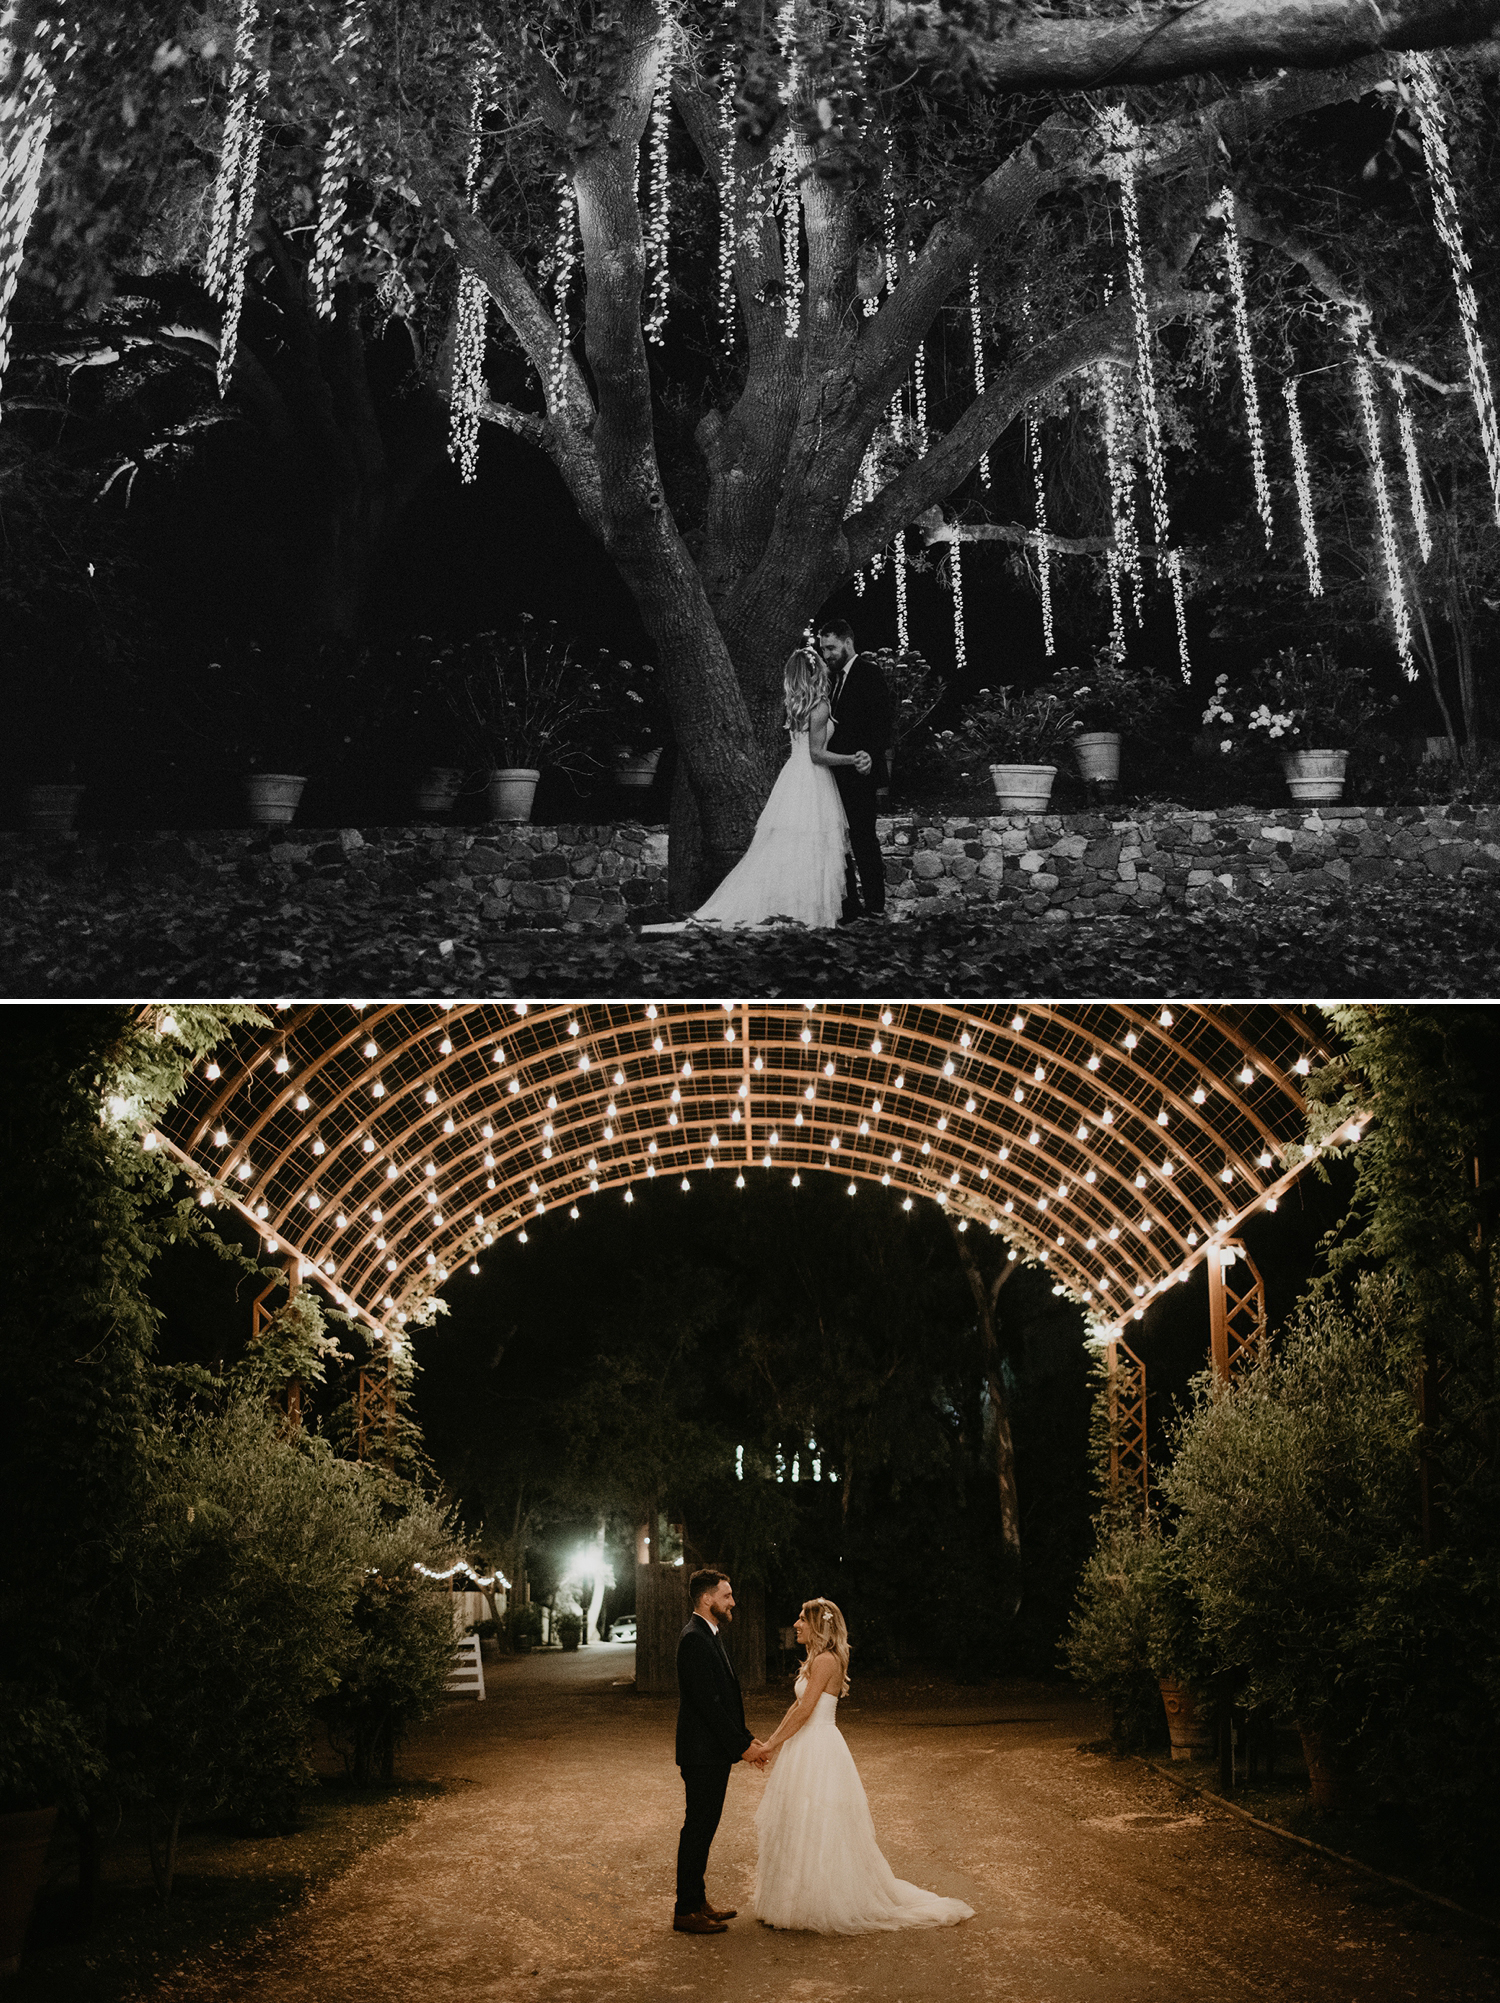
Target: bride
{"points": [[794, 867], [820, 1868]]}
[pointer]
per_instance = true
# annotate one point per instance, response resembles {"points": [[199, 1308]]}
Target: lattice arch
{"points": [[387, 1145]]}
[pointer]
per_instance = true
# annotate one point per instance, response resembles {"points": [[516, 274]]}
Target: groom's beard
{"points": [[725, 1619]]}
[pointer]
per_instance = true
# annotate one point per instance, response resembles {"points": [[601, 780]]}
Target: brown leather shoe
{"points": [[729, 1912], [699, 1922]]}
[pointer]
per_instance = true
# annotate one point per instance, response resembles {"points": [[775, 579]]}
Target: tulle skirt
{"points": [[820, 1868], [794, 868]]}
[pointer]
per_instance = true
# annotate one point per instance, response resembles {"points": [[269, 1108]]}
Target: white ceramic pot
{"points": [[1023, 789], [437, 788], [1316, 777], [638, 768], [511, 791], [1098, 755], [272, 798], [50, 809]]}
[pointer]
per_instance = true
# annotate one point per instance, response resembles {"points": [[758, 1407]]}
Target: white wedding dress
{"points": [[820, 1868], [794, 867]]}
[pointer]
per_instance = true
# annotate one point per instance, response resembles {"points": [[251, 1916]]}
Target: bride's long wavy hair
{"points": [[804, 681], [828, 1633]]}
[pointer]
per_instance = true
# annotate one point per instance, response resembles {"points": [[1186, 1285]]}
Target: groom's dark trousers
{"points": [[711, 1736]]}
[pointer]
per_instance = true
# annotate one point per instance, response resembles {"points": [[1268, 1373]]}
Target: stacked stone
{"points": [[1087, 865], [579, 878]]}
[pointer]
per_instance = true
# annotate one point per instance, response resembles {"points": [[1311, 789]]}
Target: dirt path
{"points": [[546, 1871]]}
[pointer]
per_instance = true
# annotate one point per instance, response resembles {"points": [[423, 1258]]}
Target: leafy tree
{"points": [[1293, 1489], [731, 482], [243, 1568]]}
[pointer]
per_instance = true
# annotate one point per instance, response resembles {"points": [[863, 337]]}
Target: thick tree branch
{"points": [[936, 529], [1037, 51], [1107, 335]]}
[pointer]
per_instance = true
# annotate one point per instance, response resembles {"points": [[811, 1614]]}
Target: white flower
{"points": [[1226, 744]]}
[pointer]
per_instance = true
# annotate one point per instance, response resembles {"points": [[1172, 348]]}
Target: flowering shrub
{"points": [[1001, 727], [1299, 698], [1114, 693], [523, 698], [634, 704]]}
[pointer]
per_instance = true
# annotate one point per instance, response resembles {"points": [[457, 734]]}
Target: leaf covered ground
{"points": [[1422, 937]]}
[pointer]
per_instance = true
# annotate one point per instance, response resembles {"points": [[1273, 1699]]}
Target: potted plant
{"points": [[569, 1631], [1019, 736], [520, 700], [1179, 1656], [267, 717], [1309, 706], [633, 720], [1109, 699]]}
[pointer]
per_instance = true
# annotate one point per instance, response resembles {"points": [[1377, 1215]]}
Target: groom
{"points": [[862, 713], [711, 1738]]}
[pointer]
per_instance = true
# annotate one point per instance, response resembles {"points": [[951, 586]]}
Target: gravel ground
{"points": [[545, 1871]]}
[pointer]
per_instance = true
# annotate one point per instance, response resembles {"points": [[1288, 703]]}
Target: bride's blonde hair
{"points": [[805, 683], [828, 1634]]}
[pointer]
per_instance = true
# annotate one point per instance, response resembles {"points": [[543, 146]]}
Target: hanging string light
{"points": [[467, 392], [1304, 489], [919, 393], [1400, 617], [1120, 131], [898, 560], [1121, 469], [25, 124], [234, 189], [1408, 435], [564, 257], [333, 187], [1235, 268], [1043, 551], [1422, 79], [975, 329], [956, 568], [789, 192], [658, 206], [727, 193]]}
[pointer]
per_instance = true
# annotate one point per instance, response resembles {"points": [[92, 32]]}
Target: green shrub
{"points": [[394, 1666], [1294, 1493], [569, 1630], [524, 1622], [1107, 1645]]}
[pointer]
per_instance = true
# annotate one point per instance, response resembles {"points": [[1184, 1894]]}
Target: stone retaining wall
{"points": [[590, 878], [1080, 865]]}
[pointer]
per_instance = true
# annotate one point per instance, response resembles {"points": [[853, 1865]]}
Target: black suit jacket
{"points": [[711, 1728], [863, 712]]}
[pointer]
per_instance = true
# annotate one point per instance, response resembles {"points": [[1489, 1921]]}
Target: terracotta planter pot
{"points": [[23, 1855], [272, 798], [639, 769], [1023, 789], [1190, 1724], [437, 789], [511, 791], [1315, 777], [50, 810], [1317, 1750], [1098, 756]]}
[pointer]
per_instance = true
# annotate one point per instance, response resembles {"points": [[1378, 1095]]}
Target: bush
{"points": [[1107, 1646], [569, 1630], [398, 1652], [1294, 1491], [245, 1558], [524, 1622]]}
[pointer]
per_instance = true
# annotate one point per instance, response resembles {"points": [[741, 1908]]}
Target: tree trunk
{"points": [[986, 1294]]}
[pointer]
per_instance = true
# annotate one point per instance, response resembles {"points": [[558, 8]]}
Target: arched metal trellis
{"points": [[384, 1147]]}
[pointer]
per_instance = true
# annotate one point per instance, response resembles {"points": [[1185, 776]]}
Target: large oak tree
{"points": [[723, 479]]}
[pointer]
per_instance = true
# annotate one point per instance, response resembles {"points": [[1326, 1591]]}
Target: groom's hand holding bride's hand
{"points": [[862, 761], [755, 1754]]}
